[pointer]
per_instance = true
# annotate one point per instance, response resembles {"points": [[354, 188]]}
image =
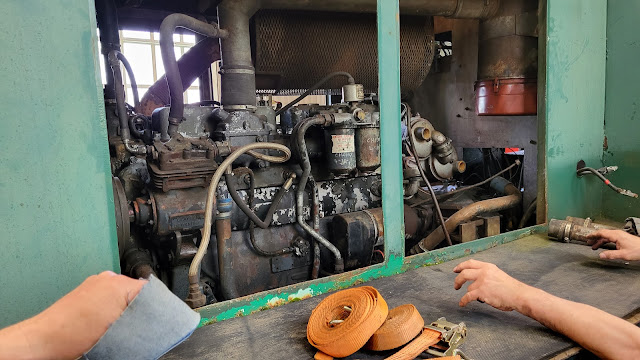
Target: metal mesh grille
{"points": [[305, 46]]}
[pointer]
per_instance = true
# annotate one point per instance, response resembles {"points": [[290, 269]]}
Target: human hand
{"points": [[627, 245], [73, 324], [490, 285]]}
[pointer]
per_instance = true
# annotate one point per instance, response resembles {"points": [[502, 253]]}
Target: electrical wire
{"points": [[433, 194], [316, 86], [459, 190]]}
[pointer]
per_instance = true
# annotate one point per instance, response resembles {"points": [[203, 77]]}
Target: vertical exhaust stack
{"points": [[238, 81]]}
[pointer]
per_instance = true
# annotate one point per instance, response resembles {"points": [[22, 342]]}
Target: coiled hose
{"points": [[196, 297]]}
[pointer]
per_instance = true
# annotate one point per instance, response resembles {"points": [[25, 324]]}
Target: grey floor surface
{"points": [[571, 271]]}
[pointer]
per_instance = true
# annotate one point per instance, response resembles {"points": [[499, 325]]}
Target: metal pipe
{"points": [[195, 293], [316, 86], [238, 82], [167, 28], [565, 230], [193, 63], [512, 198], [478, 9], [303, 156], [223, 238]]}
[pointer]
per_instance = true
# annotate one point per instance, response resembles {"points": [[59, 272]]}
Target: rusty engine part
{"points": [[272, 222], [574, 229], [356, 234]]}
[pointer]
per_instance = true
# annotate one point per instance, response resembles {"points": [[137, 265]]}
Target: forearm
{"points": [[603, 334], [22, 341]]}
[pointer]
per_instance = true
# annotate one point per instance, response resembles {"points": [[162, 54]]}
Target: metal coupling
{"points": [[196, 297]]}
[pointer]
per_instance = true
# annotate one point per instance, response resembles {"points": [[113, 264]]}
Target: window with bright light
{"points": [[142, 50]]}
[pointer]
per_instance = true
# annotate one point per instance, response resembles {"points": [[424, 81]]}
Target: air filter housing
{"points": [[302, 47]]}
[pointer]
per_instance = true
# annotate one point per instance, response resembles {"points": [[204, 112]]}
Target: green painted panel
{"points": [[574, 104], [622, 111], [388, 16], [56, 205]]}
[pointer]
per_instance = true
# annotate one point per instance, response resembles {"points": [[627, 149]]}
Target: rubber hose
{"points": [[194, 269], [512, 198], [167, 28]]}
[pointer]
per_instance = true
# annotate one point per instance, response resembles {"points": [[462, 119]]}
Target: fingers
{"points": [[470, 264], [469, 297], [613, 254], [609, 235], [464, 276], [596, 244]]}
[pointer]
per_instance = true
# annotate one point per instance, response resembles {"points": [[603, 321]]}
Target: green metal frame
{"points": [[56, 204]]}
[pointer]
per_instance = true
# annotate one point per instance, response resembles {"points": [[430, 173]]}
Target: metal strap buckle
{"points": [[452, 336]]}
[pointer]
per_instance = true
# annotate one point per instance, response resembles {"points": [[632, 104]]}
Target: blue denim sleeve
{"points": [[153, 323]]}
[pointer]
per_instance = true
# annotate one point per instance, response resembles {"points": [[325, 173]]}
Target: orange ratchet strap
{"points": [[402, 325], [343, 322], [346, 321]]}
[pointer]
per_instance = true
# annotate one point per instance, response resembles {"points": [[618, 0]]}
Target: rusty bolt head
{"points": [[247, 179], [359, 114]]}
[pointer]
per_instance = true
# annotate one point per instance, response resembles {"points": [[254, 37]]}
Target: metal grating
{"points": [[305, 46]]}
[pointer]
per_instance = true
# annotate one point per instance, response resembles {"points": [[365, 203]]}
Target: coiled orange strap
{"points": [[343, 322], [402, 325]]}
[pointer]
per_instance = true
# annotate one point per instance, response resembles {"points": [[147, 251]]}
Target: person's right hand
{"points": [[627, 245], [490, 285]]}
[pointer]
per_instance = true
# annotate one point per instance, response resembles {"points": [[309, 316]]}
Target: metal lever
{"points": [[453, 335]]}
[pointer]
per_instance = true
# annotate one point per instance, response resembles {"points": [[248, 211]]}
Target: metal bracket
{"points": [[453, 335]]}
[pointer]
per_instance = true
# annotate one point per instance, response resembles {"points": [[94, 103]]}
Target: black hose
{"points": [[263, 224], [433, 194], [527, 214], [174, 81], [252, 215], [107, 18], [315, 87], [589, 170], [121, 105], [462, 189], [132, 78]]}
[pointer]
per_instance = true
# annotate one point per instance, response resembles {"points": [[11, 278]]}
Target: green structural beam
{"points": [[390, 132], [273, 298], [572, 109], [56, 204], [622, 108]]}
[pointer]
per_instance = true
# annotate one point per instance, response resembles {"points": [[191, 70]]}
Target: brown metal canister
{"points": [[367, 148], [507, 97], [341, 150]]}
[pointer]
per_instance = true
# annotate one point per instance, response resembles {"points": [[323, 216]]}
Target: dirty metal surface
{"points": [[570, 271]]}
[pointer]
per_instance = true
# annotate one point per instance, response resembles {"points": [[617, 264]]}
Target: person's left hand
{"points": [[489, 285], [72, 325]]}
